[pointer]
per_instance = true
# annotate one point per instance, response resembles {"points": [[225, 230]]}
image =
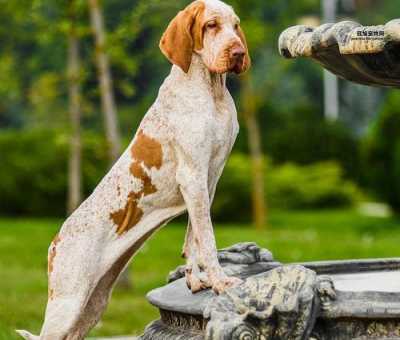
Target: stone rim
{"points": [[342, 49], [167, 297]]}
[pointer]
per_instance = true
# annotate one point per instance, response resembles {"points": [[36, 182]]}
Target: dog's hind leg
{"points": [[74, 272], [26, 335], [99, 298], [79, 290], [71, 317]]}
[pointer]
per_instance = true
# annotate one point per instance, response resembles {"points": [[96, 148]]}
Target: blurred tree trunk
{"points": [[105, 81], [249, 104], [331, 82], [107, 100], [74, 166]]}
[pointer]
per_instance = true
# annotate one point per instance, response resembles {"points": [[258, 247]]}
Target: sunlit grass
{"points": [[291, 236]]}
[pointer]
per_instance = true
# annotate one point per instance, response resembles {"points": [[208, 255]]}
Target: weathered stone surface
{"points": [[367, 55], [241, 260], [352, 299], [280, 304], [244, 253], [158, 330], [177, 297], [361, 329]]}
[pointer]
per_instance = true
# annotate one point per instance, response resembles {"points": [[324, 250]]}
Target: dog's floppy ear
{"points": [[183, 34], [246, 61]]}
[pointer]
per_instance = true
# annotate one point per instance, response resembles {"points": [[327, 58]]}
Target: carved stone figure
{"points": [[280, 304], [331, 300]]}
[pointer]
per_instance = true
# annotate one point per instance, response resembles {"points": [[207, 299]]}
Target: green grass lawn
{"points": [[291, 236]]}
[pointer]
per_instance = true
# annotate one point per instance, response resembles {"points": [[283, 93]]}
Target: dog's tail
{"points": [[26, 335]]}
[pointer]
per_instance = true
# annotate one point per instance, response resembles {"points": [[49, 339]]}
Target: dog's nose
{"points": [[238, 53]]}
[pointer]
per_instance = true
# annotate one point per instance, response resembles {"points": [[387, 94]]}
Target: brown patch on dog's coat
{"points": [[138, 172], [51, 293], [147, 150], [183, 35], [246, 60], [147, 153], [130, 215], [53, 253]]}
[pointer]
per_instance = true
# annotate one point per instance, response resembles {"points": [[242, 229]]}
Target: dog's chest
{"points": [[225, 128]]}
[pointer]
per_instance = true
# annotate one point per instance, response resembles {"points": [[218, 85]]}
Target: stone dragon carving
{"points": [[281, 304], [276, 302]]}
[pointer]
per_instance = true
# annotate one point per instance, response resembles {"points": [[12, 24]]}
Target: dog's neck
{"points": [[199, 73]]}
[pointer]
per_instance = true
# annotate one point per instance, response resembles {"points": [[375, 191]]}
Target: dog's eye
{"points": [[212, 25], [236, 27]]}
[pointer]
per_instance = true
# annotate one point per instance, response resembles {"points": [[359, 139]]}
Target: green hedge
{"points": [[287, 186], [33, 170], [381, 153], [305, 137], [34, 178]]}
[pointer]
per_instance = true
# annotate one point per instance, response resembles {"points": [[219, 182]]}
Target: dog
{"points": [[172, 165]]}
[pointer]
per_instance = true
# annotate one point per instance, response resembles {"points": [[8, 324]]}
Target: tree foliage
{"points": [[34, 87]]}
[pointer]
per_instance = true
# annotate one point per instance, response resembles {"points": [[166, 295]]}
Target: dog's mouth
{"points": [[229, 65], [236, 59], [236, 66], [222, 67], [229, 62]]}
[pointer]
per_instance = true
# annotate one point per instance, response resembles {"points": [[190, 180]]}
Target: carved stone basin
{"points": [[383, 281], [356, 299], [368, 55]]}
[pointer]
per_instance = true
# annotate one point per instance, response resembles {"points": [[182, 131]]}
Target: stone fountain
{"points": [[368, 55], [328, 300]]}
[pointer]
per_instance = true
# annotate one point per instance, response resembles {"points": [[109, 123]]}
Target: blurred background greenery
{"points": [[301, 179]]}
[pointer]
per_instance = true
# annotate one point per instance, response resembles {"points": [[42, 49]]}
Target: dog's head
{"points": [[211, 29]]}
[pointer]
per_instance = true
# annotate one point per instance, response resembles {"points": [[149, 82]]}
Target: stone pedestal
{"points": [[334, 300]]}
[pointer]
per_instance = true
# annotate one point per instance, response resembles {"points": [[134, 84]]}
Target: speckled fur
{"points": [[194, 120]]}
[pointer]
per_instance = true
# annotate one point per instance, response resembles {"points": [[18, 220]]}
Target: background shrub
{"points": [[381, 153], [320, 185], [303, 136], [288, 186], [34, 179], [33, 171]]}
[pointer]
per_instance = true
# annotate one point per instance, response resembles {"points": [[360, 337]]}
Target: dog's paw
{"points": [[219, 285], [196, 281], [195, 285]]}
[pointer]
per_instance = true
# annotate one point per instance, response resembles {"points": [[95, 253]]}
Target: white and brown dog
{"points": [[172, 165]]}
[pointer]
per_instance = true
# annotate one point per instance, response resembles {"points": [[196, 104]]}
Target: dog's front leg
{"points": [[195, 278], [188, 241], [203, 256], [189, 232]]}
